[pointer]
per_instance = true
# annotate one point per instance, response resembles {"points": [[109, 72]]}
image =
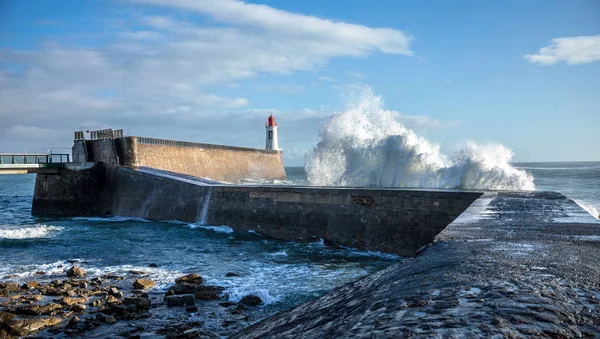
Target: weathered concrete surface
{"points": [[217, 162], [386, 220], [526, 271]]}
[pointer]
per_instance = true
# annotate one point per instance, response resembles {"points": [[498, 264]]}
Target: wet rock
{"points": [[226, 303], [74, 321], [191, 309], [140, 303], [80, 308], [70, 301], [72, 261], [37, 309], [23, 327], [29, 285], [112, 300], [137, 272], [115, 292], [8, 287], [190, 278], [180, 300], [96, 303], [75, 272], [251, 300], [6, 316], [101, 317], [143, 284], [153, 265], [232, 274]]}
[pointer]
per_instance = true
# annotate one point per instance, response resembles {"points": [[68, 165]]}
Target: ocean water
{"points": [[283, 274]]}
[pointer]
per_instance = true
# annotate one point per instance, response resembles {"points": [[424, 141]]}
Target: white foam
{"points": [[588, 207], [30, 232], [366, 146], [219, 229]]}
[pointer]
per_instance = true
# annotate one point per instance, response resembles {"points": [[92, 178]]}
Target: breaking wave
{"points": [[366, 146], [39, 231]]}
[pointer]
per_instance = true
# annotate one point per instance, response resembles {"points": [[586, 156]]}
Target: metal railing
{"points": [[99, 134], [24, 159]]}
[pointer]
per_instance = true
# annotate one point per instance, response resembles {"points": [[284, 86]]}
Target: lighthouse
{"points": [[272, 140]]}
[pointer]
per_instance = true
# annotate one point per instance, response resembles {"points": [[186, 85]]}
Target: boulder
{"points": [[104, 318], [30, 285], [143, 284], [23, 327], [8, 287], [251, 300], [231, 274], [190, 278], [180, 300], [37, 309], [6, 316], [208, 292], [74, 321], [70, 301], [140, 303], [79, 308], [75, 272]]}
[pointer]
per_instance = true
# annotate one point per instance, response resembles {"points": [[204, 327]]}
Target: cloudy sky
{"points": [[522, 73]]}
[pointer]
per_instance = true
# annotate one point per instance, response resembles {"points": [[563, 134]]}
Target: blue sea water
{"points": [[283, 274]]}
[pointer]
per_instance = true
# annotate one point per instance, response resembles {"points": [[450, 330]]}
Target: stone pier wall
{"points": [[387, 220], [216, 162]]}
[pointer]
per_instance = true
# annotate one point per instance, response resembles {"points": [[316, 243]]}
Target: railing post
{"points": [[13, 160], [24, 159], [68, 156]]}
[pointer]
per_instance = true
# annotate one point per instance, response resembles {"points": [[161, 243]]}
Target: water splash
{"points": [[205, 205], [366, 146]]}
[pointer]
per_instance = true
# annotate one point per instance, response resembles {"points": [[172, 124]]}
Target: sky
{"points": [[525, 74]]}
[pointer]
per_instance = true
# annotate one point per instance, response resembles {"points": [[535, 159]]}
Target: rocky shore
{"points": [[124, 306]]}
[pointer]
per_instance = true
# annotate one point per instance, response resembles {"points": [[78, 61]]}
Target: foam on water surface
{"points": [[29, 232]]}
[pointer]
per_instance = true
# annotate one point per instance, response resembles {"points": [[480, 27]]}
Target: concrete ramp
{"points": [[386, 220]]}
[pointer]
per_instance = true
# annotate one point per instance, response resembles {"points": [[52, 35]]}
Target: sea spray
{"points": [[366, 146]]}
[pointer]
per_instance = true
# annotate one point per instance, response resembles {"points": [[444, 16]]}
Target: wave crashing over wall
{"points": [[366, 146]]}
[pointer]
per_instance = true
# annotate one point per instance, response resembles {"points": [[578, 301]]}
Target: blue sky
{"points": [[521, 73]]}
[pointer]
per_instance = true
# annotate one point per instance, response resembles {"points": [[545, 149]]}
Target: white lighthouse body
{"points": [[272, 140]]}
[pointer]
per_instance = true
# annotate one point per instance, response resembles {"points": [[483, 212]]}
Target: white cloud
{"points": [[356, 75], [572, 51], [162, 70], [280, 88]]}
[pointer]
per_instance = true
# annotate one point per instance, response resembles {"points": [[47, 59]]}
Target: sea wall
{"points": [[387, 220], [217, 162], [78, 190]]}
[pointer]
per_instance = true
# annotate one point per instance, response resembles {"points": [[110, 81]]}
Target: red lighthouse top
{"points": [[271, 121]]}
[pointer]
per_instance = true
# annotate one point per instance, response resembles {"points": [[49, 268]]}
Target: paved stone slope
{"points": [[526, 269]]}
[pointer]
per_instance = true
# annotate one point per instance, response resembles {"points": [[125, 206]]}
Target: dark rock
{"points": [[232, 274], [226, 303], [74, 321], [40, 272], [153, 265], [115, 292], [208, 292], [37, 309], [80, 308], [140, 303], [8, 287], [180, 300], [75, 272], [143, 284], [191, 309], [192, 278], [72, 261], [101, 317], [251, 300], [137, 272]]}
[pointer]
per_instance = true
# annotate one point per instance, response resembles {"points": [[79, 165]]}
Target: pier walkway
{"points": [[32, 163]]}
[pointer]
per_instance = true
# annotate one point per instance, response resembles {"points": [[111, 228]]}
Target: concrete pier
{"points": [[526, 268], [387, 220]]}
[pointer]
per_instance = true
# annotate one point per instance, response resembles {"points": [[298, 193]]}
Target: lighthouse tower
{"points": [[272, 140]]}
